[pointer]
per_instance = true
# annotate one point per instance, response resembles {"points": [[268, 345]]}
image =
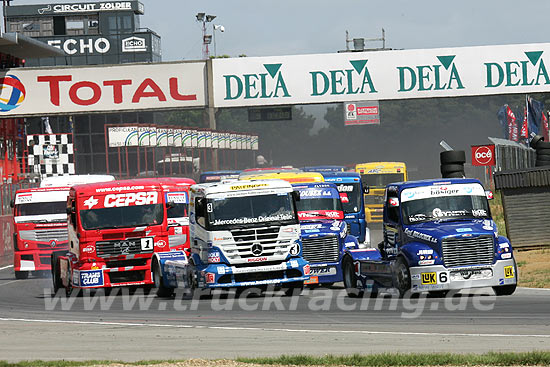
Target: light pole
{"points": [[206, 38], [217, 27]]}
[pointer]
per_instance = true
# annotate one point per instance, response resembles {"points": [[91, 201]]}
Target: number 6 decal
{"points": [[443, 277]]}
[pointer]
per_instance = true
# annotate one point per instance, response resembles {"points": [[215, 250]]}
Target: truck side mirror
{"points": [[489, 194], [70, 210], [366, 190], [170, 205], [296, 195], [12, 203]]}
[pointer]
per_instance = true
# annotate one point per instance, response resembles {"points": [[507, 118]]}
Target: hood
{"points": [[313, 229], [432, 232]]}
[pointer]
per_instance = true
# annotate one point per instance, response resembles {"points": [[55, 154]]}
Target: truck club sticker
{"points": [[125, 199], [316, 214], [177, 197], [318, 194]]}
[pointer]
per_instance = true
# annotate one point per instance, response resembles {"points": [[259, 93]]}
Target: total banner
{"points": [[47, 91]]}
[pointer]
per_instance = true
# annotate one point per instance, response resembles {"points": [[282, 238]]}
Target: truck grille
{"points": [[321, 249], [45, 235], [468, 251], [245, 239], [116, 248]]}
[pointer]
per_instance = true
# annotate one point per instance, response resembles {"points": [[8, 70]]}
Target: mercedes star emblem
{"points": [[256, 249]]}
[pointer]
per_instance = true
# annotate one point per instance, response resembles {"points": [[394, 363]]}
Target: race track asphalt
{"points": [[134, 326]]}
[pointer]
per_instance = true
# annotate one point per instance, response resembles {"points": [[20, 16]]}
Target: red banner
{"points": [[545, 128], [512, 125], [524, 129], [483, 155]]}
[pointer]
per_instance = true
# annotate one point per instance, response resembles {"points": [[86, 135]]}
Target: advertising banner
{"points": [[47, 91], [123, 136], [187, 139], [254, 142], [178, 136], [381, 75], [362, 113], [194, 138], [162, 137], [483, 155], [215, 142]]}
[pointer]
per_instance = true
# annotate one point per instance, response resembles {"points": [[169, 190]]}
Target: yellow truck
{"points": [[375, 176]]}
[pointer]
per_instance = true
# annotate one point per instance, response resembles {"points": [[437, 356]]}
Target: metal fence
{"points": [[511, 155]]}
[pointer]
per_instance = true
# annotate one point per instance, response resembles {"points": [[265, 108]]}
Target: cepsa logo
{"points": [[131, 198], [86, 92]]}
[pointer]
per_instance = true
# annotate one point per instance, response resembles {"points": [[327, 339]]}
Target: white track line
{"points": [[365, 332], [6, 267], [13, 281]]}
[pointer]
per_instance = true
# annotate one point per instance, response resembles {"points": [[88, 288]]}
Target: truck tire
{"points": [[448, 168], [543, 151], [350, 279], [19, 275], [537, 139], [543, 157], [402, 277], [452, 157], [293, 289], [542, 163], [543, 145], [162, 290], [505, 290], [56, 273], [457, 174]]}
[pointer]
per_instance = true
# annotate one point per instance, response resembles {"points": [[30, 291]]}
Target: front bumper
{"points": [[438, 277], [224, 276], [325, 273]]}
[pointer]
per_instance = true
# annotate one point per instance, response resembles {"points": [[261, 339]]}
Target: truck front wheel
{"points": [[21, 275], [505, 290], [56, 273], [402, 277], [350, 279], [162, 290]]}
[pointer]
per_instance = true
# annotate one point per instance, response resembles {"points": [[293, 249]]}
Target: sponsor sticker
{"points": [[312, 280], [147, 244], [210, 278], [429, 278], [508, 272], [91, 278]]}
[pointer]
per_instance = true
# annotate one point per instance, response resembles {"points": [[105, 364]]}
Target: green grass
{"points": [[63, 363], [424, 359], [497, 211]]}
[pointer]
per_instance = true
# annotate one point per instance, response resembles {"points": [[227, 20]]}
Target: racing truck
{"points": [[113, 230], [351, 194], [438, 236], [176, 195], [243, 234], [325, 238], [40, 222]]}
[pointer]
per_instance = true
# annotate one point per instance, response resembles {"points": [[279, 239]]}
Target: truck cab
{"points": [[217, 176], [351, 194], [113, 228], [324, 233], [176, 195], [438, 236], [243, 234]]}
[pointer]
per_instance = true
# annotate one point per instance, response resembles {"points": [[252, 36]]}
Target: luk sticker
{"points": [[508, 272], [429, 278]]}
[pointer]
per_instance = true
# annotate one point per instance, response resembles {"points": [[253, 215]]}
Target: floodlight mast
{"points": [[206, 39]]}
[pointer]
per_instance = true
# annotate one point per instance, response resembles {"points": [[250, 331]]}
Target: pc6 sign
{"points": [[483, 155]]}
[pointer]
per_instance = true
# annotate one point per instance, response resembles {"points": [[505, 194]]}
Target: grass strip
{"points": [[535, 358]]}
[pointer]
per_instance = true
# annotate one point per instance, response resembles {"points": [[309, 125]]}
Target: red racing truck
{"points": [[113, 228], [40, 227]]}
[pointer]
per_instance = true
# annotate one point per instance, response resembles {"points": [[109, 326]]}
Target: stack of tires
{"points": [[543, 150], [452, 163]]}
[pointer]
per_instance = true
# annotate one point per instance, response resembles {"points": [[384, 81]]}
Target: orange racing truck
{"points": [[113, 230]]}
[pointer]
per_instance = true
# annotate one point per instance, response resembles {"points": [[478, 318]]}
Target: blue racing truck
{"points": [[438, 236], [325, 238], [351, 194], [242, 234]]}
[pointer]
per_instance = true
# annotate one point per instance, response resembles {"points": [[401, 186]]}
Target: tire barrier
{"points": [[543, 151], [452, 163]]}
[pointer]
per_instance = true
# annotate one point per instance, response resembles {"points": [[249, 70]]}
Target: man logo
{"points": [[256, 249], [12, 93]]}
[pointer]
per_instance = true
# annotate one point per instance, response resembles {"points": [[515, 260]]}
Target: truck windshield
{"points": [[178, 211], [41, 208], [380, 180], [260, 210], [445, 208], [122, 217], [350, 195], [317, 203]]}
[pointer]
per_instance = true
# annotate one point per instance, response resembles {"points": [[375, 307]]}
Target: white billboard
{"points": [[59, 90], [123, 136]]}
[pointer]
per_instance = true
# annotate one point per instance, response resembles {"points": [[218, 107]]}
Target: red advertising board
{"points": [[483, 155]]}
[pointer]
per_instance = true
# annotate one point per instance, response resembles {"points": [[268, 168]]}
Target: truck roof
{"points": [[71, 180], [175, 182], [42, 189], [323, 169], [314, 185], [433, 182], [241, 185], [292, 177], [342, 176], [119, 186]]}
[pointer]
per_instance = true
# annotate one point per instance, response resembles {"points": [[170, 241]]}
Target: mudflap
{"points": [[372, 270], [174, 266]]}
